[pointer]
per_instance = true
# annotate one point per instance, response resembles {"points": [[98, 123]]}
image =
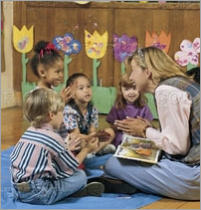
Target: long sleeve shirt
{"points": [[41, 153], [130, 110], [173, 107]]}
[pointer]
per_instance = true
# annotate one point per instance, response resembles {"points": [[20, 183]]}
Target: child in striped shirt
{"points": [[43, 169]]}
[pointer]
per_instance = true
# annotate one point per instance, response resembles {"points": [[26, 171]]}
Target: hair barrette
{"points": [[140, 53]]}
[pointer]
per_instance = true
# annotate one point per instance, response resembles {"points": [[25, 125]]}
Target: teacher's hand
{"points": [[133, 126]]}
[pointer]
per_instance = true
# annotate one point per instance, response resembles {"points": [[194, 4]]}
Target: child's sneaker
{"points": [[91, 189], [110, 148]]}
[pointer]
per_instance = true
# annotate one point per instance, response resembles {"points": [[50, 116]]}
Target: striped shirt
{"points": [[41, 153]]}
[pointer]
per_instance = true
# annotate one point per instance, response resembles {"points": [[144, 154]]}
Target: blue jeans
{"points": [[47, 191], [168, 178]]}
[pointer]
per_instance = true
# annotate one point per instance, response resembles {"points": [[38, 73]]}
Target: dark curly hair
{"points": [[44, 55]]}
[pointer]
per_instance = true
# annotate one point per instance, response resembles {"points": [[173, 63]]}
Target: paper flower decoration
{"points": [[162, 41], [23, 39], [189, 52], [67, 44], [82, 2], [95, 45], [23, 43], [124, 46]]}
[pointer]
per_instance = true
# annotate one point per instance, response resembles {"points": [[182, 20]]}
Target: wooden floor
{"points": [[13, 125]]}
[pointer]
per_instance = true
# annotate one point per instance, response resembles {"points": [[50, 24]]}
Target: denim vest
{"points": [[193, 89]]}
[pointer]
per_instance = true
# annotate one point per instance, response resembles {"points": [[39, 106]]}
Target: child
{"points": [[47, 65], [80, 116], [43, 170], [129, 103]]}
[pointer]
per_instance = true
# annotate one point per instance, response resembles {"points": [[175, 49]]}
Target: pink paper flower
{"points": [[189, 52]]}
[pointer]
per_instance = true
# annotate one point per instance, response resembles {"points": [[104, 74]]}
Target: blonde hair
{"points": [[161, 65], [120, 102], [39, 103]]}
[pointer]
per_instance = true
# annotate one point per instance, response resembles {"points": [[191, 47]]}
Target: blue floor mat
{"points": [[106, 201]]}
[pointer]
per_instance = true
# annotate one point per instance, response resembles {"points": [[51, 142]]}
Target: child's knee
{"points": [[82, 176]]}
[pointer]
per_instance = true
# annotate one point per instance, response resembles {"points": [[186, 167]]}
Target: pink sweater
{"points": [[173, 107]]}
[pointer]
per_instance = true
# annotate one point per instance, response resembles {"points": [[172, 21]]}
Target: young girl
{"points": [[80, 116], [47, 65], [129, 103], [43, 170]]}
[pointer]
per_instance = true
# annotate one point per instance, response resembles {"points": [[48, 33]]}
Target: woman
{"points": [[177, 174]]}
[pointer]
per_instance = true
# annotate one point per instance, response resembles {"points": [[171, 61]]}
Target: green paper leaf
{"points": [[103, 98], [190, 66], [123, 68]]}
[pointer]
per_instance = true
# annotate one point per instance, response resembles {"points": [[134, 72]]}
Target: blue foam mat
{"points": [[106, 201]]}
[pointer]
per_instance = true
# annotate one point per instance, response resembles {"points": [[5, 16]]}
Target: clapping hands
{"points": [[133, 126]]}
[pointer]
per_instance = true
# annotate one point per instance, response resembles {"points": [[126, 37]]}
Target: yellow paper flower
{"points": [[95, 45], [23, 39]]}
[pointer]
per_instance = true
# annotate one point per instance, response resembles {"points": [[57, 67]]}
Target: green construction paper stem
{"points": [[190, 66], [24, 62], [123, 68], [96, 64], [67, 60]]}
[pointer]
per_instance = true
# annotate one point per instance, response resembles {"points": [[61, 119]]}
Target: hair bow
{"points": [[49, 47]]}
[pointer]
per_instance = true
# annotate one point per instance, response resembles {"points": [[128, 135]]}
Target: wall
{"points": [[57, 18], [7, 91]]}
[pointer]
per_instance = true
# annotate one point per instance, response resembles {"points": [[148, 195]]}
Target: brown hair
{"points": [[120, 102], [39, 103]]}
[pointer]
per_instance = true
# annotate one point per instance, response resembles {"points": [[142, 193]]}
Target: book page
{"points": [[136, 148]]}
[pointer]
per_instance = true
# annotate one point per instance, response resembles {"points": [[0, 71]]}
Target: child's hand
{"points": [[73, 142], [66, 94], [92, 144], [102, 135]]}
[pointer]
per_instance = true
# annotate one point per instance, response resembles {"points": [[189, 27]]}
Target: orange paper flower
{"points": [[162, 41]]}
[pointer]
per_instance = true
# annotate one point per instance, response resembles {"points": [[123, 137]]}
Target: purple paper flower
{"points": [[67, 44], [124, 46]]}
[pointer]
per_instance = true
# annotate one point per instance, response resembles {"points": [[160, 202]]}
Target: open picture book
{"points": [[137, 148]]}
